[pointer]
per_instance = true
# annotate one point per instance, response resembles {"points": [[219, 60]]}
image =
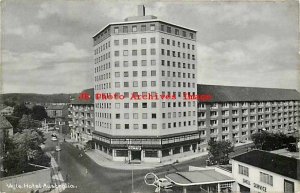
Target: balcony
{"points": [[245, 128], [203, 117], [235, 122], [214, 107], [202, 126], [274, 104], [260, 104], [235, 115], [214, 116]]}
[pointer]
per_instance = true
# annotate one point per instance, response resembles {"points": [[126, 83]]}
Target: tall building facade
{"points": [[234, 113], [136, 62]]}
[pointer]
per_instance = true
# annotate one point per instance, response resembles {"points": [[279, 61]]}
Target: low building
{"points": [[210, 179], [7, 111], [81, 117], [6, 130], [234, 113], [261, 171]]}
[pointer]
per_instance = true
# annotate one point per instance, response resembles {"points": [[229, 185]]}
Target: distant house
{"points": [[6, 111], [58, 113], [6, 129]]}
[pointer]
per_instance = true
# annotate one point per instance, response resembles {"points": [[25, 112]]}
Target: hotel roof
{"points": [[142, 21], [286, 166], [236, 94], [199, 177]]}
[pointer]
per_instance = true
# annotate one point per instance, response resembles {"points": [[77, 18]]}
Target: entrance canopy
{"points": [[199, 177]]}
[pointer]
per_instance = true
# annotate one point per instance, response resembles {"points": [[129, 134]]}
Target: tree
{"points": [[9, 103], [23, 149], [259, 139], [19, 110], [28, 123], [271, 141], [39, 113], [219, 151], [14, 121]]}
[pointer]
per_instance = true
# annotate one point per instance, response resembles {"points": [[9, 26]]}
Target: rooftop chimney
{"points": [[141, 10]]}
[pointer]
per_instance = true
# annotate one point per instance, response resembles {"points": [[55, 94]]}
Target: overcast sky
{"points": [[47, 45]]}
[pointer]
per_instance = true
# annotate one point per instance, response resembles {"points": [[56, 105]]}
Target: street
{"points": [[90, 177]]}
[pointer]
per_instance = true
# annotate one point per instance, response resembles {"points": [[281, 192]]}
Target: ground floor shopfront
{"points": [[145, 148]]}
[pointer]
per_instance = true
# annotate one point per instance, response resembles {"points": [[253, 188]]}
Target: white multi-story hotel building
{"points": [[146, 56]]}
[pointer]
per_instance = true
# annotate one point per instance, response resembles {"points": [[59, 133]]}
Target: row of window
{"points": [[118, 96], [144, 63], [265, 178], [184, 45], [246, 104], [152, 27], [215, 114], [154, 126], [134, 28], [143, 52], [177, 54], [146, 126], [153, 115], [145, 73], [134, 41], [154, 83], [145, 105]]}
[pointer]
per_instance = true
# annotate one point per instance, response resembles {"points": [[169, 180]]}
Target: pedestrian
{"points": [[86, 171]]}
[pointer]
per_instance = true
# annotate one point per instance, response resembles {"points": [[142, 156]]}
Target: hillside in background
{"points": [[38, 98]]}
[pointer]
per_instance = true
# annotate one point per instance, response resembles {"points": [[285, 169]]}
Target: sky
{"points": [[47, 45]]}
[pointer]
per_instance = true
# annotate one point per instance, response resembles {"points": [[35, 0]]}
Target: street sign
{"points": [[150, 179], [132, 147]]}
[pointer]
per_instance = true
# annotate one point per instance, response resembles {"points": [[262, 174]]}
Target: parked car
{"points": [[163, 183], [53, 138], [57, 148]]}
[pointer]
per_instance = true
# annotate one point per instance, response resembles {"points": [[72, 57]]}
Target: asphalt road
{"points": [[89, 177]]}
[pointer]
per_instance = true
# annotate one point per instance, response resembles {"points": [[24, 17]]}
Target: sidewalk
{"points": [[57, 179], [104, 162]]}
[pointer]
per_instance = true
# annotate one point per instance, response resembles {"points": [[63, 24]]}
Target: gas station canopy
{"points": [[199, 177]]}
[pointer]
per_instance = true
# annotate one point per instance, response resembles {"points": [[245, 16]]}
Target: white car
{"points": [[53, 138], [163, 183], [57, 148]]}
